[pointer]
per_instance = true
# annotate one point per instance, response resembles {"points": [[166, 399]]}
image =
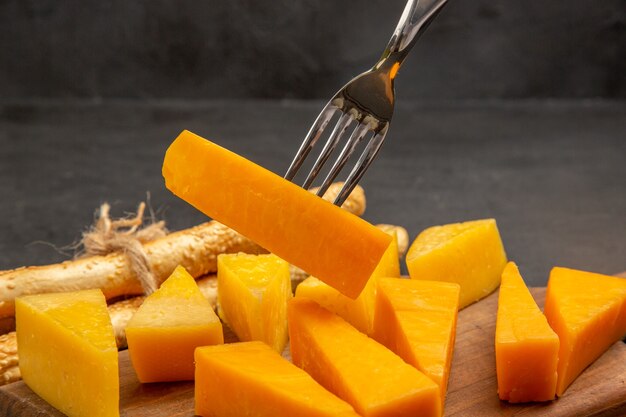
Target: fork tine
{"points": [[311, 138], [357, 135], [361, 166], [337, 133]]}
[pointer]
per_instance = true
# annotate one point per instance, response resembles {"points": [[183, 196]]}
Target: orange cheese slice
{"points": [[168, 326], [359, 312], [370, 377], [417, 320], [67, 352], [588, 312], [251, 379], [526, 347], [338, 247]]}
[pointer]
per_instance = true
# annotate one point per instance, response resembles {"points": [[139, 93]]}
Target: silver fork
{"points": [[365, 104]]}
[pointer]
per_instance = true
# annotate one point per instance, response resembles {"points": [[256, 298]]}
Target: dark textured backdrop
{"points": [[307, 48]]}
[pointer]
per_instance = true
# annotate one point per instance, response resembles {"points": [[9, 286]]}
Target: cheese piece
{"points": [[370, 377], [527, 348], [67, 352], [252, 295], [417, 320], [168, 326], [251, 379], [338, 247], [470, 254], [588, 312], [359, 312]]}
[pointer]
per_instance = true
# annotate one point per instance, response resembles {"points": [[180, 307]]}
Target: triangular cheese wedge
{"points": [[417, 320], [168, 326], [359, 370], [588, 312], [470, 254], [252, 379], [527, 348], [67, 351], [252, 294]]}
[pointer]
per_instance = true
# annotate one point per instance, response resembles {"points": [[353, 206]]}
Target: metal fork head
{"points": [[365, 106]]}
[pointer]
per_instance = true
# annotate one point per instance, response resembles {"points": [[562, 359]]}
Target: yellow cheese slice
{"points": [[252, 294], [470, 254], [67, 352]]}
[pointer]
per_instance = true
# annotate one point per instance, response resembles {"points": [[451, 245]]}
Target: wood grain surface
{"points": [[599, 391]]}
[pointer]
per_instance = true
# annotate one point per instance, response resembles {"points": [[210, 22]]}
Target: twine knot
{"points": [[127, 236]]}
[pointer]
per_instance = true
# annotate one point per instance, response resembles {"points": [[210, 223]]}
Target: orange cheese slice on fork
{"points": [[337, 247]]}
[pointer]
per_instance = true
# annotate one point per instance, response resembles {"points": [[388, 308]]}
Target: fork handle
{"points": [[415, 18]]}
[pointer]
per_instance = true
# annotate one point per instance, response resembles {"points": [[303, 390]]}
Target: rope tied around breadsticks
{"points": [[124, 235]]}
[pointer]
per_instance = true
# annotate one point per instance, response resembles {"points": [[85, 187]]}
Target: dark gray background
{"points": [[506, 109], [306, 48]]}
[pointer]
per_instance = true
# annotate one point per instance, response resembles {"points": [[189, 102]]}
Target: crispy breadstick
{"points": [[196, 249], [9, 370]]}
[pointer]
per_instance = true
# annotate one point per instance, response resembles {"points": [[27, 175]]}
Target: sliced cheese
{"points": [[370, 377], [168, 326], [417, 320], [527, 349], [252, 294], [67, 352], [470, 254], [251, 379], [588, 312], [338, 247]]}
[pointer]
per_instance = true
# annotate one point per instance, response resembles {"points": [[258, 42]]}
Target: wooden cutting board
{"points": [[599, 391]]}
